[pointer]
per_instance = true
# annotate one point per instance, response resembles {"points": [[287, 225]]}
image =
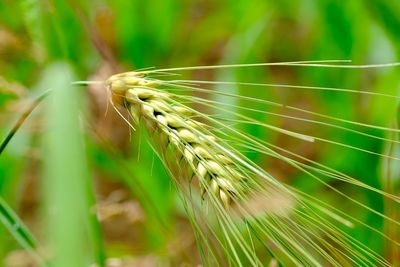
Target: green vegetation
{"points": [[79, 187]]}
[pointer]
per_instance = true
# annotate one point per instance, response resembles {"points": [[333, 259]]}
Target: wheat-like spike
{"points": [[214, 169], [234, 184]]}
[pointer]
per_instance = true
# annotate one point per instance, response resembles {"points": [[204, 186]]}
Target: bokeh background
{"points": [[74, 148]]}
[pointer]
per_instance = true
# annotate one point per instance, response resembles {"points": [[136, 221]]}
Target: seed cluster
{"points": [[201, 150]]}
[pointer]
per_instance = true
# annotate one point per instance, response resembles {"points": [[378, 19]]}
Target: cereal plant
{"points": [[276, 143]]}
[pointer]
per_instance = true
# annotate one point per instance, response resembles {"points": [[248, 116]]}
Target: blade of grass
{"points": [[7, 216], [66, 173], [20, 121], [18, 230]]}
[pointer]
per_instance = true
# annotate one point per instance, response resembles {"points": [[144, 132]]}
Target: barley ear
{"points": [[172, 124]]}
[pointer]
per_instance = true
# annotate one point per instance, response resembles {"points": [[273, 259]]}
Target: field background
{"points": [[74, 145]]}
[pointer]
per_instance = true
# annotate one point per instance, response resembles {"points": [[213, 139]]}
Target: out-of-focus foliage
{"points": [[138, 208]]}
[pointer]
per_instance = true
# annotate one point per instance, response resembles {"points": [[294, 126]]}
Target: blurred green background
{"points": [[73, 145]]}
